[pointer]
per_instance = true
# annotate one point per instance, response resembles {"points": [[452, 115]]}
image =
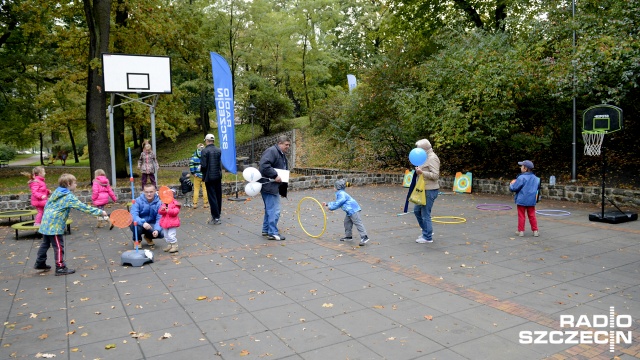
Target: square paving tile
{"points": [[228, 328]]}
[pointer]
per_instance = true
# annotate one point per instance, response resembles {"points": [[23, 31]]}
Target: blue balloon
{"points": [[418, 156]]}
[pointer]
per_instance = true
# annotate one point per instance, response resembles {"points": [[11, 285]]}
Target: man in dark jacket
{"points": [[273, 158], [211, 167]]}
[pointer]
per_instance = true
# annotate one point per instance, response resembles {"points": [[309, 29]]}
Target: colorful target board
{"points": [[462, 183], [408, 177]]}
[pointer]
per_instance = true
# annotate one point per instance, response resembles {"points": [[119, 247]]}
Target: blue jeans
{"points": [[423, 214], [271, 213]]}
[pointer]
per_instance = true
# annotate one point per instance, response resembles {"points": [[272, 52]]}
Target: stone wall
{"points": [[325, 178], [259, 145]]}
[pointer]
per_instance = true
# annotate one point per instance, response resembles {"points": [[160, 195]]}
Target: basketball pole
{"points": [[574, 124]]}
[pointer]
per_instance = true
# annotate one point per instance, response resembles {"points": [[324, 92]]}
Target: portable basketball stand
{"points": [[145, 75], [598, 121]]}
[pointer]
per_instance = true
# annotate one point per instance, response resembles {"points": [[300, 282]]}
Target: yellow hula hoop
{"points": [[324, 215], [457, 220]]}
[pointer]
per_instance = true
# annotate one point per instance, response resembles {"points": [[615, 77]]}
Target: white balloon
{"points": [[253, 188], [251, 174]]}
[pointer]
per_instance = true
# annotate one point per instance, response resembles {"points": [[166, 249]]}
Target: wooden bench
{"points": [[8, 214], [28, 225]]}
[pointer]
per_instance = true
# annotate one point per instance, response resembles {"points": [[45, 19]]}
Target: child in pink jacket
{"points": [[39, 191], [102, 192], [170, 223]]}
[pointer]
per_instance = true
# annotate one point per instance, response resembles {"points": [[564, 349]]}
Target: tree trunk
{"points": [[42, 148], [98, 16], [134, 135], [73, 144], [204, 113]]}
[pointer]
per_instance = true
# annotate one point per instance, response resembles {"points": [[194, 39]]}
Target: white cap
{"points": [[210, 137]]}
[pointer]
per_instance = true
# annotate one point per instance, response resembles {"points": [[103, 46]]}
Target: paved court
{"points": [[475, 293]]}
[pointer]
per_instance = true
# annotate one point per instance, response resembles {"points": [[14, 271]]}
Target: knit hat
{"points": [[340, 184]]}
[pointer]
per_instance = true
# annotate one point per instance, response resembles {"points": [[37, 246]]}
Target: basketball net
{"points": [[592, 142]]}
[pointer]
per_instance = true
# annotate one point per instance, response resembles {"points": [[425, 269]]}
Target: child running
{"points": [[39, 191], [54, 221], [102, 192], [352, 210], [170, 222]]}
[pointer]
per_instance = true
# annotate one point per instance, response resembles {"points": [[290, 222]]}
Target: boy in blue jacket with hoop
{"points": [[526, 187], [352, 210]]}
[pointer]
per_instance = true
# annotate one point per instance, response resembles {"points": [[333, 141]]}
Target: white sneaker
{"points": [[422, 240], [536, 234], [520, 233]]}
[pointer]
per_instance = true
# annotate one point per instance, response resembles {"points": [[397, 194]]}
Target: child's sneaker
{"points": [[167, 248], [174, 248], [346, 238], [64, 271], [520, 233], [364, 240], [536, 234]]}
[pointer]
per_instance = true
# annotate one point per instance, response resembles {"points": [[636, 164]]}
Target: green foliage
{"points": [[7, 152], [272, 107]]}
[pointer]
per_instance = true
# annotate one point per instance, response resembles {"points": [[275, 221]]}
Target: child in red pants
{"points": [[526, 188]]}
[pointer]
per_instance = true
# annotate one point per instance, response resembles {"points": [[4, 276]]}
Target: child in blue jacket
{"points": [[526, 188], [352, 210], [54, 221]]}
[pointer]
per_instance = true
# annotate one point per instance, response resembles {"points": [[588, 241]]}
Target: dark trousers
{"points": [[55, 241], [151, 177], [214, 193], [142, 231]]}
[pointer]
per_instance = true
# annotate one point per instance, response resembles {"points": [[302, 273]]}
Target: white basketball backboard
{"points": [[136, 74]]}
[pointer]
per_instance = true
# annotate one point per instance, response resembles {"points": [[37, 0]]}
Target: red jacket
{"points": [[170, 217], [102, 191], [38, 191]]}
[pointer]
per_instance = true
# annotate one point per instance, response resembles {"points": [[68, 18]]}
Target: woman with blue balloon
{"points": [[427, 165]]}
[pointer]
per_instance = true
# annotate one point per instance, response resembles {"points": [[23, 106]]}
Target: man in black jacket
{"points": [[211, 167], [273, 158]]}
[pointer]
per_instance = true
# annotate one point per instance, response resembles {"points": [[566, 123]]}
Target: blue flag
{"points": [[223, 89]]}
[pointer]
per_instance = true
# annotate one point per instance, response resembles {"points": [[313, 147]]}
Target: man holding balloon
{"points": [[427, 164], [273, 158]]}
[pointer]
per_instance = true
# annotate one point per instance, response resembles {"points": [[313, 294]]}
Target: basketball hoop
{"points": [[592, 142]]}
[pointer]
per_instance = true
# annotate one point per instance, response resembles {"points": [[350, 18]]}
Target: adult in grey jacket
{"points": [[273, 158], [430, 170], [211, 167]]}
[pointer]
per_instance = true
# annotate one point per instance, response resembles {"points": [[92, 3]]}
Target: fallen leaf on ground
{"points": [[327, 305], [45, 356]]}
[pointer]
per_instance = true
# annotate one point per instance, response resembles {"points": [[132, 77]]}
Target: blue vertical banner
{"points": [[351, 80], [223, 89]]}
